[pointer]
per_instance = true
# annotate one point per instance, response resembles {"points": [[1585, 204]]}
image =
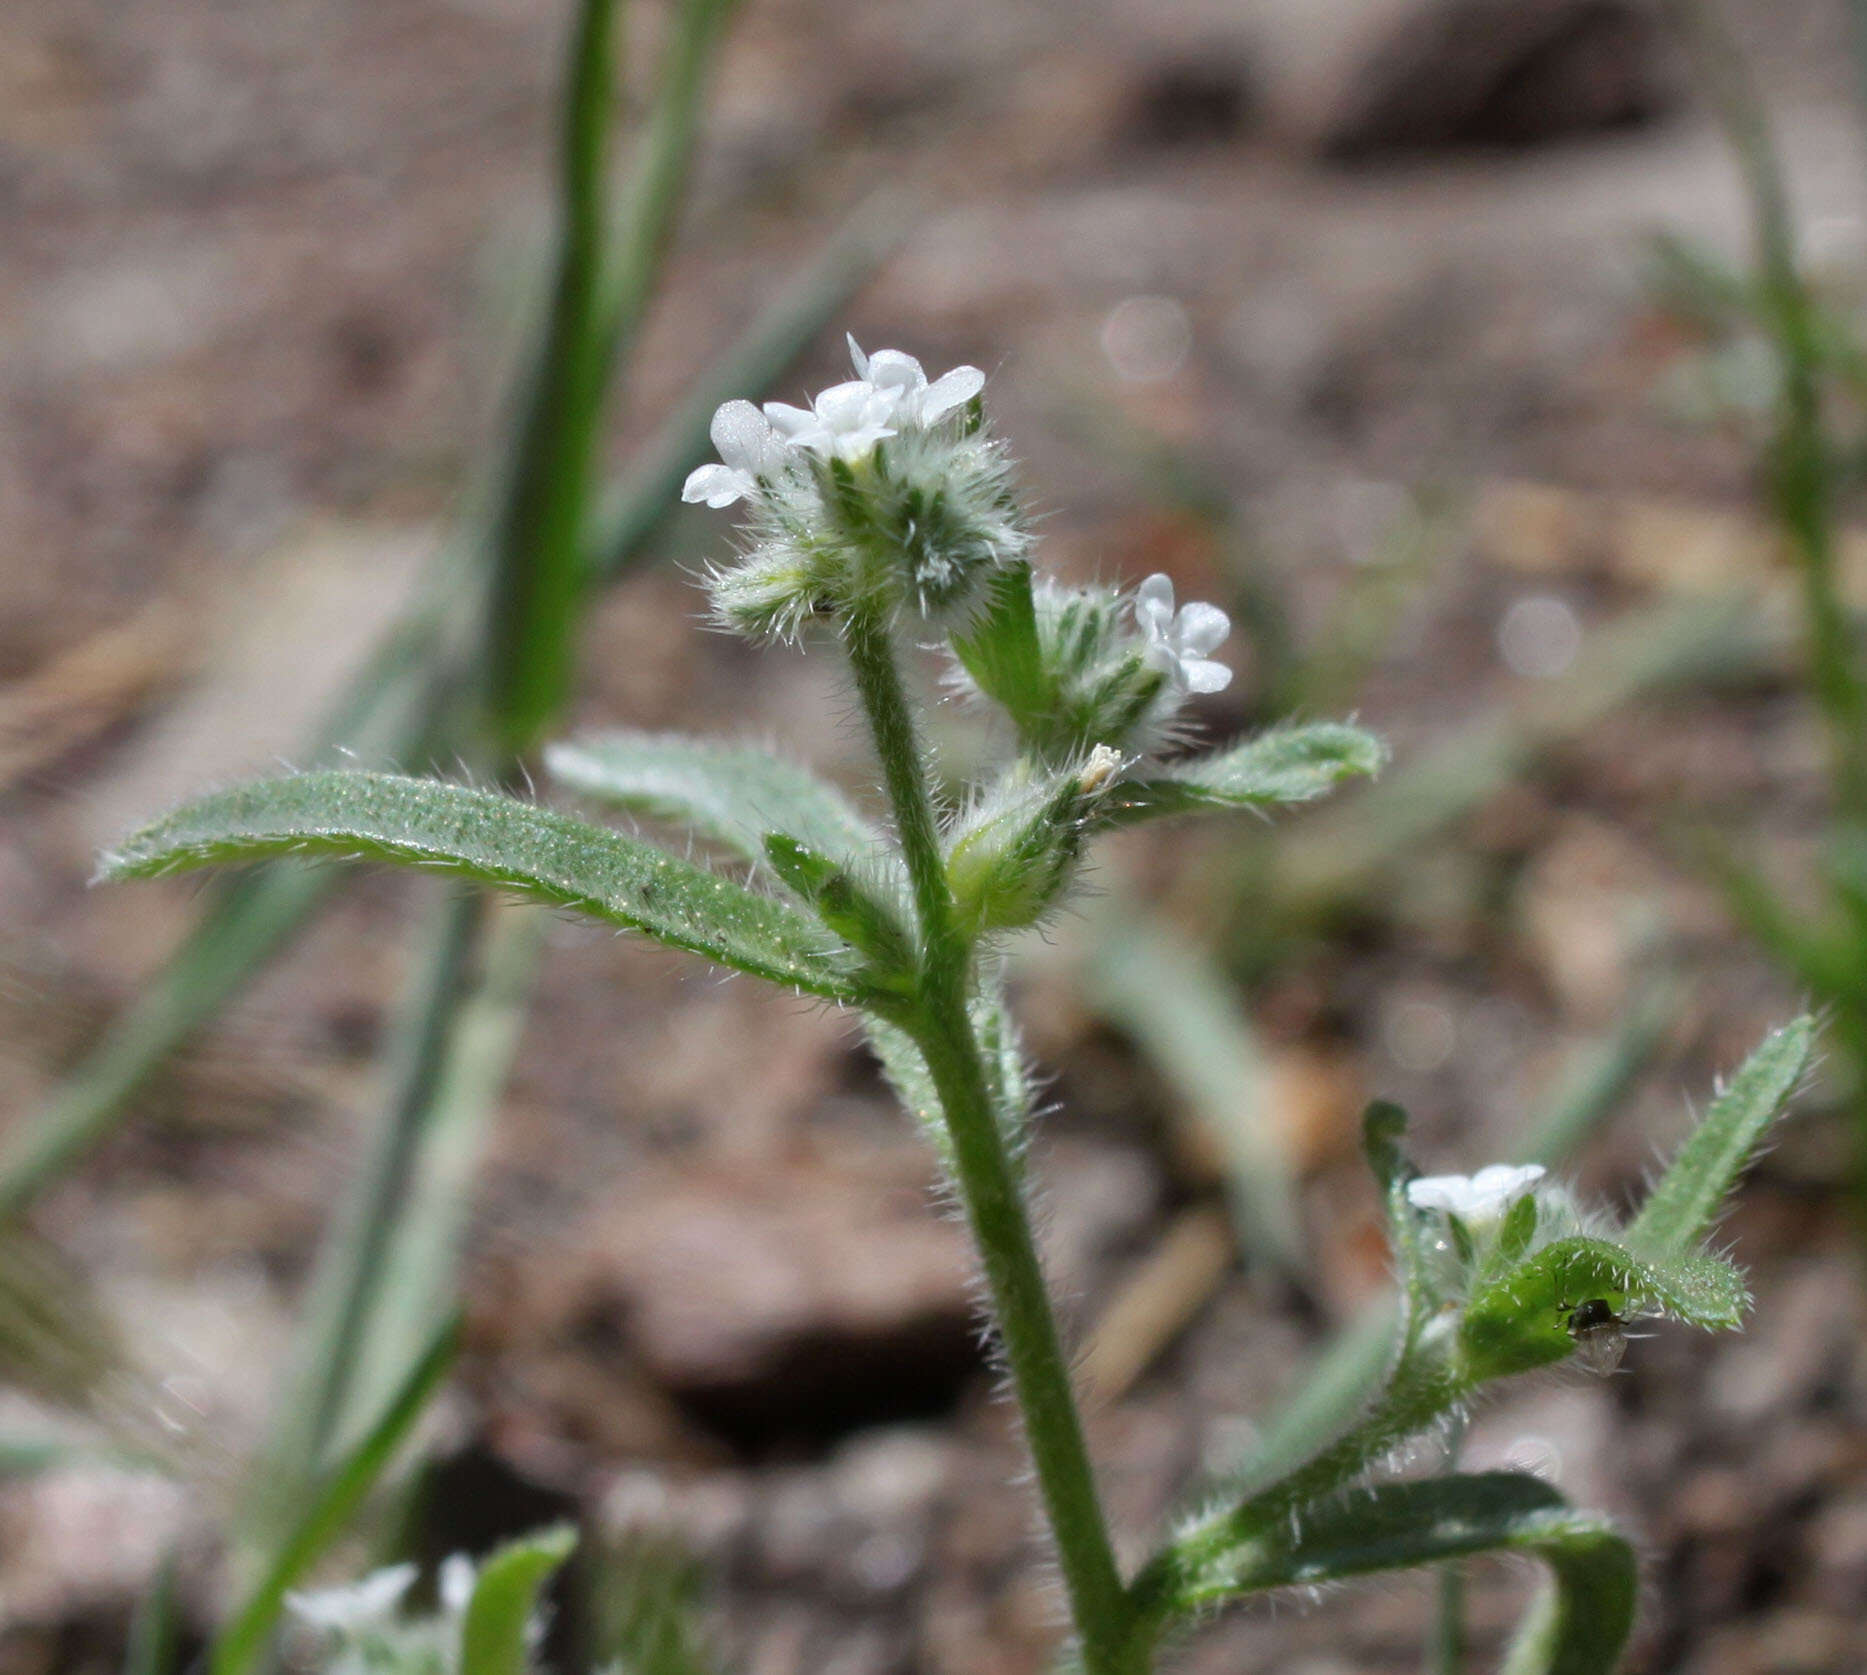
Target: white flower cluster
{"points": [[369, 1631], [890, 394], [884, 491]]}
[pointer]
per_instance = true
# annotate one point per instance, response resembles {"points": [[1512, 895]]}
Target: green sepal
{"points": [[1000, 650], [1286, 765], [1681, 1209], [1520, 1319], [492, 839], [505, 1598], [849, 908]]}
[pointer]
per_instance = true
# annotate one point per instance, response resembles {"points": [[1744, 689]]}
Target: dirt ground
{"points": [[252, 288]]}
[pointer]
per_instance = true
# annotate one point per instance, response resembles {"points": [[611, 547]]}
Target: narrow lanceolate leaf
{"points": [[1289, 765], [1400, 1526], [491, 839], [1680, 1210], [505, 1598], [734, 795]]}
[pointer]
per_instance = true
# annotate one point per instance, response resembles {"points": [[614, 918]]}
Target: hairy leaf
{"points": [[1006, 1074], [505, 1595], [492, 839], [1521, 1319], [1681, 1208], [1286, 765], [735, 795], [1398, 1526]]}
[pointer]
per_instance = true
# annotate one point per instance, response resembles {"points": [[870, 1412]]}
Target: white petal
{"points": [[857, 359], [788, 420], [950, 390], [741, 434], [363, 1604], [1153, 605], [889, 369], [1200, 627], [853, 444], [847, 406], [1451, 1193], [1201, 675], [1508, 1181], [457, 1582], [717, 485]]}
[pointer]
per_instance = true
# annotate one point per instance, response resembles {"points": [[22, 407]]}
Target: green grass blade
{"points": [[154, 1646], [491, 839], [505, 1596], [242, 1643], [1177, 1006], [1286, 765], [1343, 852], [642, 229], [733, 795], [1680, 1210], [539, 529]]}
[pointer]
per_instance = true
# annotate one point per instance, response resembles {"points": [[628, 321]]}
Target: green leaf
{"points": [[505, 1595], [1400, 1526], [328, 1511], [1680, 1210], [1520, 1320], [498, 840], [1286, 765], [869, 919], [734, 795]]}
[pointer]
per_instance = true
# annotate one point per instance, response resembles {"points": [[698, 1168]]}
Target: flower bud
{"points": [[1011, 856]]}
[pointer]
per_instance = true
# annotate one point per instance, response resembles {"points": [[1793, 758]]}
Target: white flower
{"points": [[1177, 644], [845, 421], [458, 1577], [1482, 1197], [917, 401], [363, 1605]]}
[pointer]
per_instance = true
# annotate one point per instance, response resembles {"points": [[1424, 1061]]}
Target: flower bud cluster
{"points": [[885, 492]]}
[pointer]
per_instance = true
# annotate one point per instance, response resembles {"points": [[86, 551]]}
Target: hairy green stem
{"points": [[988, 1183]]}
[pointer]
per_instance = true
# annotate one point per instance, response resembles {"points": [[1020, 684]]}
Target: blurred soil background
{"points": [[1375, 279]]}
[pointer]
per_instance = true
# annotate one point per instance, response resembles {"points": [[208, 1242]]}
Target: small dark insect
{"points": [[1600, 1336]]}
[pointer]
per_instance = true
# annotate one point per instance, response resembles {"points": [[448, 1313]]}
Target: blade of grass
{"points": [[1335, 857], [328, 1511], [1176, 1004]]}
